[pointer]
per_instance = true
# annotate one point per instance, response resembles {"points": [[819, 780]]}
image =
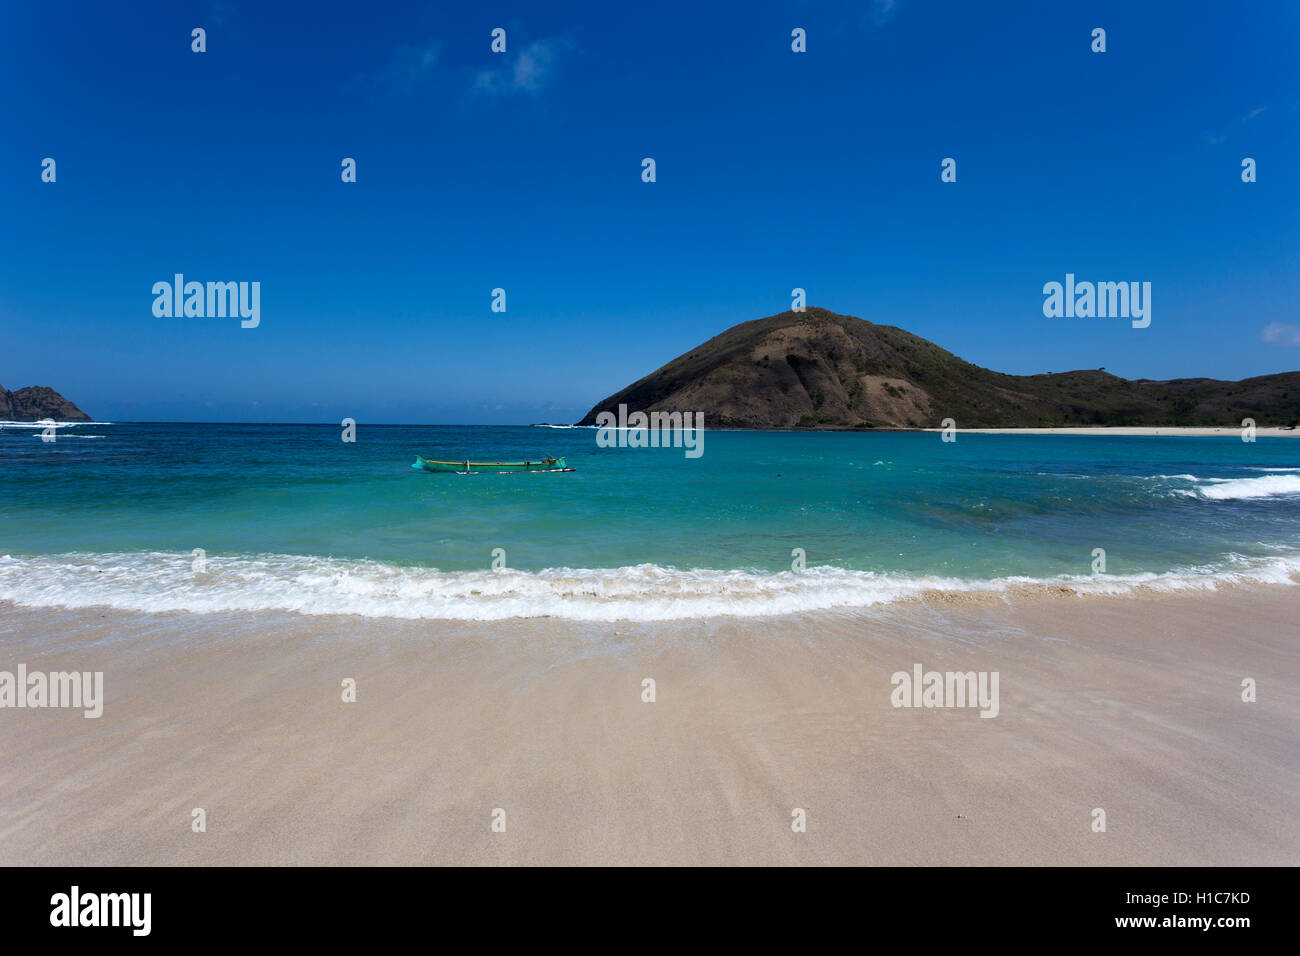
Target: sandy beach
{"points": [[1101, 431], [1132, 705]]}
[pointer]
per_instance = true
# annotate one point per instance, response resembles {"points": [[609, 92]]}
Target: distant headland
{"points": [[821, 370], [37, 402]]}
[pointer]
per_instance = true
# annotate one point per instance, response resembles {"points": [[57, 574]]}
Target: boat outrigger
{"points": [[500, 467]]}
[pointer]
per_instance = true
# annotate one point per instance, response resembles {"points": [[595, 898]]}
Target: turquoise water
{"points": [[293, 517]]}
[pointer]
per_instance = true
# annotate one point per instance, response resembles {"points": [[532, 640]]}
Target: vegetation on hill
{"points": [[819, 369]]}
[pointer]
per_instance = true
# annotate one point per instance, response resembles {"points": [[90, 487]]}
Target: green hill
{"points": [[818, 369]]}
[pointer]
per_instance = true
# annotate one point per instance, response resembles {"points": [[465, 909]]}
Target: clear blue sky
{"points": [[522, 170]]}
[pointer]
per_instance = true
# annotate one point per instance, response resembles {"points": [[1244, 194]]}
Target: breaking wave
{"points": [[1233, 489], [161, 581]]}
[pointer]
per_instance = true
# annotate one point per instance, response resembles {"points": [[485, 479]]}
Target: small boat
{"points": [[500, 467]]}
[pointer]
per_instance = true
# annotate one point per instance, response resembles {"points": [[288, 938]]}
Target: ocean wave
{"points": [[1232, 489], [45, 423], [1278, 481], [162, 581]]}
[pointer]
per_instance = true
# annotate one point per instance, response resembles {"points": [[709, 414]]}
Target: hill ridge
{"points": [[35, 402], [820, 369]]}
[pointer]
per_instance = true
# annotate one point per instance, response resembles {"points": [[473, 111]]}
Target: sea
{"points": [[204, 518]]}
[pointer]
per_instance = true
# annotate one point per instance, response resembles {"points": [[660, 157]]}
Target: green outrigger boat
{"points": [[499, 467]]}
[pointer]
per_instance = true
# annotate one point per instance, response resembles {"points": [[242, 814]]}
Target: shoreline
{"points": [[1101, 431], [568, 596], [1140, 431], [1020, 596], [1132, 706], [1094, 431]]}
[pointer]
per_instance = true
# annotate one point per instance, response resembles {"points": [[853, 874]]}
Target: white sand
{"points": [[1103, 430], [1131, 705]]}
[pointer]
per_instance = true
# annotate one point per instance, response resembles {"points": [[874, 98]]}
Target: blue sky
{"points": [[523, 171]]}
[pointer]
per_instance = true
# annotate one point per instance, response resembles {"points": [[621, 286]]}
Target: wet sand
{"points": [[1132, 705]]}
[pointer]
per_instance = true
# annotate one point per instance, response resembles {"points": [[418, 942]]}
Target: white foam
{"points": [[48, 423], [1229, 489], [158, 581], [1278, 481]]}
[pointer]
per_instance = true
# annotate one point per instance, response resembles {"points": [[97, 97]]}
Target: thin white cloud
{"points": [[1281, 333], [865, 14], [1242, 120], [409, 67], [412, 64], [883, 10], [219, 13], [530, 71]]}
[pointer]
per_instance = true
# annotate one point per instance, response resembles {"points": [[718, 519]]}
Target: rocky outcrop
{"points": [[35, 402]]}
